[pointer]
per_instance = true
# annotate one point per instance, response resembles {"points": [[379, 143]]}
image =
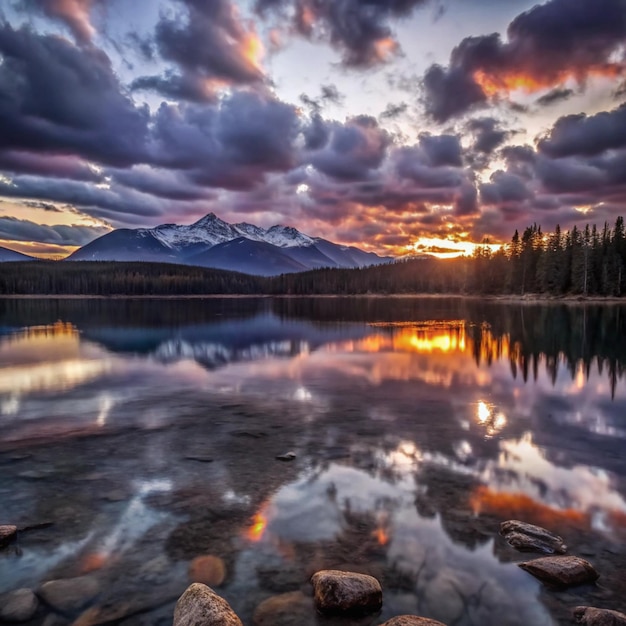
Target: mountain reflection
{"points": [[148, 432]]}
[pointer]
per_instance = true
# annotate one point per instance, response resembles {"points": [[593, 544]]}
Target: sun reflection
{"points": [[483, 412], [259, 524]]}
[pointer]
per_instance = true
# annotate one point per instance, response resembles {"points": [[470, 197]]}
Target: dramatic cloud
{"points": [[556, 95], [57, 166], [76, 14], [230, 145], [487, 134], [355, 149], [15, 229], [546, 46], [84, 110], [212, 47], [586, 135], [359, 29]]}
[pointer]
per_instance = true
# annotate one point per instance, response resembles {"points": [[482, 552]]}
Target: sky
{"points": [[398, 126]]}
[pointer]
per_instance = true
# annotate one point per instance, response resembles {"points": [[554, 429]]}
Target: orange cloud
{"points": [[75, 13]]}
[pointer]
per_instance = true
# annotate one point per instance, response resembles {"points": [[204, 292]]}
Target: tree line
{"points": [[585, 262]]}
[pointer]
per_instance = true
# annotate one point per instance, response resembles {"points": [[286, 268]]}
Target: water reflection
{"points": [[148, 433]]}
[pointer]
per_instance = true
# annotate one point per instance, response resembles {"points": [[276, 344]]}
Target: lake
{"points": [[146, 432]]}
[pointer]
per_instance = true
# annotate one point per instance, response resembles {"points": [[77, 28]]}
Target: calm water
{"points": [[147, 432]]}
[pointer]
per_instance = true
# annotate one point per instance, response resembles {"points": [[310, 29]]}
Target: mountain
{"points": [[212, 242], [10, 255]]}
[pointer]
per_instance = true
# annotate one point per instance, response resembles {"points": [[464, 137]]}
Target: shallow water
{"points": [[147, 432]]}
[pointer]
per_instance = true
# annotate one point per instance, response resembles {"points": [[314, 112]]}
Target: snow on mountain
{"points": [[211, 230], [212, 242], [287, 237]]}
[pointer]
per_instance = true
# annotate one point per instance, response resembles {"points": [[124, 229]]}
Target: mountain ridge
{"points": [[212, 242]]}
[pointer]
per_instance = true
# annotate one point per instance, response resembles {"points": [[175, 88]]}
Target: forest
{"points": [[580, 262]]}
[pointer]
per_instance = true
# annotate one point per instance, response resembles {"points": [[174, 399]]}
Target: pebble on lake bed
{"points": [[69, 595], [412, 620], [561, 571], [200, 605], [288, 456], [209, 570], [287, 608], [590, 616], [18, 606], [530, 538], [7, 534], [346, 592]]}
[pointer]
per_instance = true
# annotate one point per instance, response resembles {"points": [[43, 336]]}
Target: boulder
{"points": [[69, 595], [7, 534], [201, 606], [287, 609], [411, 620], [18, 606], [561, 571], [207, 569], [346, 592], [530, 538], [590, 616]]}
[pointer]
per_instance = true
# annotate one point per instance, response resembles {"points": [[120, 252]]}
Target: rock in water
{"points": [[530, 538], [7, 534], [18, 606], [70, 595], [285, 609], [208, 569], [412, 620], [561, 571], [590, 616], [201, 606], [346, 592], [288, 456]]}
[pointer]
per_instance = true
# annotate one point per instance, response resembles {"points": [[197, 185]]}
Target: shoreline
{"points": [[502, 298]]}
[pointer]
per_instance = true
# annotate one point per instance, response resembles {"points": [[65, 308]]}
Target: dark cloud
{"points": [[441, 149], [586, 134], [504, 187], [59, 99], [555, 95], [330, 93], [487, 134], [359, 29], [230, 145], [211, 45], [450, 92], [552, 42], [354, 151], [394, 110], [116, 203], [14, 229], [57, 166], [171, 185]]}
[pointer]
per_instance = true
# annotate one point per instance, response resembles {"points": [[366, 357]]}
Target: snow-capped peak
{"points": [[212, 230], [287, 237]]}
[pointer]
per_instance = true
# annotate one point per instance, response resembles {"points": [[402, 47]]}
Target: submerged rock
{"points": [[346, 592], [287, 609], [590, 616], [288, 456], [201, 606], [70, 595], [18, 606], [562, 571], [530, 538], [207, 569], [7, 534], [412, 620]]}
